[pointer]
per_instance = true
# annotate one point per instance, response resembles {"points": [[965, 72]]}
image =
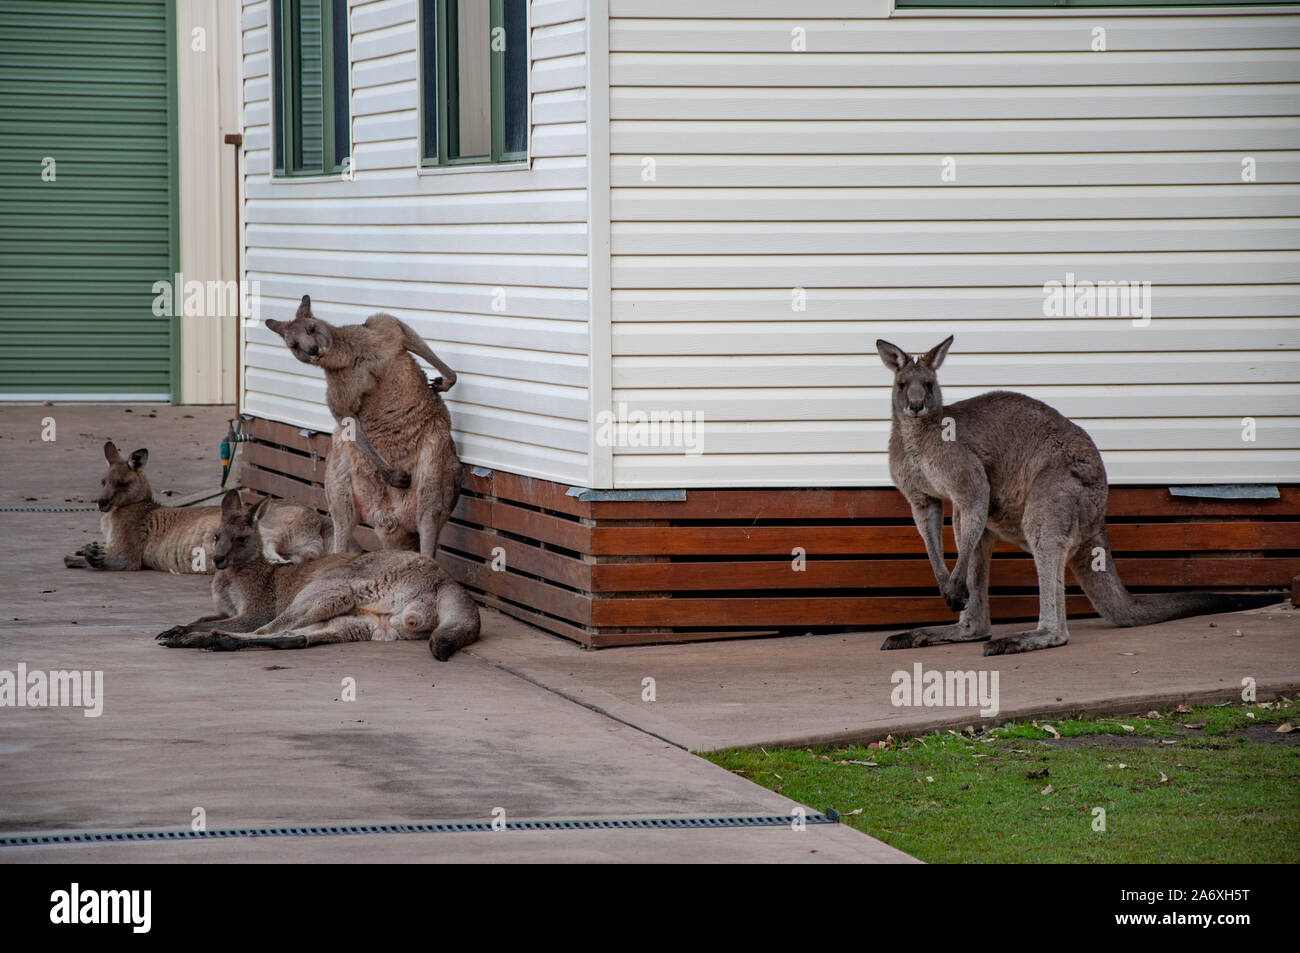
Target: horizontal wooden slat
{"points": [[848, 540], [525, 522], [519, 556], [1200, 572], [829, 611], [524, 489], [565, 603]]}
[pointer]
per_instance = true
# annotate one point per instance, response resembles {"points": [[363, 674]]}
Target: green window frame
{"points": [[1049, 4], [440, 95], [310, 87]]}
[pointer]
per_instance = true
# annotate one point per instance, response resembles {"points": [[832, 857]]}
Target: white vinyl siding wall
{"points": [[820, 170], [431, 248]]}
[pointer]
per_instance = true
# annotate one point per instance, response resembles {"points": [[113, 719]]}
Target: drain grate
{"points": [[661, 823], [48, 509]]}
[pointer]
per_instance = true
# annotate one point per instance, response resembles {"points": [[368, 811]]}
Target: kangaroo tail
{"points": [[1119, 607], [458, 622]]}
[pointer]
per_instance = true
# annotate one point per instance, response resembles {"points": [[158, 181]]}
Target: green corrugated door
{"points": [[87, 223]]}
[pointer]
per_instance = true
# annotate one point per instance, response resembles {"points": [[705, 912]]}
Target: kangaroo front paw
{"points": [[179, 639], [398, 478], [96, 557], [956, 593], [169, 634], [443, 649], [224, 642], [436, 385]]}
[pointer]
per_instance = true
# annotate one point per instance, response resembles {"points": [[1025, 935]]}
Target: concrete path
{"points": [[265, 738], [837, 688]]}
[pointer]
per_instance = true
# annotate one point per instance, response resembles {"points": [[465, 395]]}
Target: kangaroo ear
{"points": [[259, 510], [111, 454], [138, 459], [275, 326], [231, 506], [304, 308], [934, 357], [894, 358]]}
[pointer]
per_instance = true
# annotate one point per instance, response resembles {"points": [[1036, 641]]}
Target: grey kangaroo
{"points": [[140, 533], [1013, 469], [345, 597], [392, 461]]}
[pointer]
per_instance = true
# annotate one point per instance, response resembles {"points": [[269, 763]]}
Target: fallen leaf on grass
{"points": [[1163, 779], [1053, 731], [1285, 727], [1127, 727], [1195, 724], [1250, 714], [1046, 790], [1183, 709]]}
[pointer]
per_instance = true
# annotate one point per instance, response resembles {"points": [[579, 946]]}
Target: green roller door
{"points": [[87, 189]]}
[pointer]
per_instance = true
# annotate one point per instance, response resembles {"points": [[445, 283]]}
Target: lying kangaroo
{"points": [[391, 425], [291, 533], [140, 533], [345, 597], [1014, 469]]}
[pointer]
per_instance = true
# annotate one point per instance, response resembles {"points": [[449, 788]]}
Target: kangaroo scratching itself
{"points": [[346, 597], [140, 533], [392, 461], [1014, 469]]}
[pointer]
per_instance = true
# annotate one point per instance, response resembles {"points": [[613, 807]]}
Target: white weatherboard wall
{"points": [[820, 170], [432, 247]]}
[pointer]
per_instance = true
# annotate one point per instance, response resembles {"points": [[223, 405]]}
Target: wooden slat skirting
{"points": [[608, 569]]}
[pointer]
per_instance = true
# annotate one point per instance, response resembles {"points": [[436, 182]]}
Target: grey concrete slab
{"points": [[837, 688], [263, 738]]}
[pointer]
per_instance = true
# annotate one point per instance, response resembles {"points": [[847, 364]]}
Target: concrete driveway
{"points": [[266, 739]]}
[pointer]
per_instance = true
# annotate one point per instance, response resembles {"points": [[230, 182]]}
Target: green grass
{"points": [[1171, 794]]}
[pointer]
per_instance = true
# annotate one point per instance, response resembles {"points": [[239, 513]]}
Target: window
{"points": [[474, 81], [309, 85]]}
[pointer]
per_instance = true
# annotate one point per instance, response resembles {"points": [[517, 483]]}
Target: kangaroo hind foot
{"points": [[934, 635]]}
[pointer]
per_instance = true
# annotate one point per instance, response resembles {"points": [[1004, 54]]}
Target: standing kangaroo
{"points": [[392, 460], [346, 597], [1013, 469], [140, 533]]}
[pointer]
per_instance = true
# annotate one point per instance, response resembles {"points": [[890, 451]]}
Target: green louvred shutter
{"points": [[87, 189]]}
